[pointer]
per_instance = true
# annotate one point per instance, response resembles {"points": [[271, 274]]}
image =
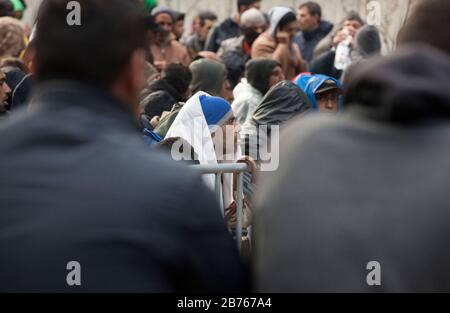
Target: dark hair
{"points": [[313, 8], [177, 75], [288, 18], [14, 62], [429, 24], [241, 3], [6, 8], [206, 15], [95, 52], [354, 16]]}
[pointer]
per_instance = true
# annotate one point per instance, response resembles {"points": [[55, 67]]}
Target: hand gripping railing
{"points": [[231, 168]]}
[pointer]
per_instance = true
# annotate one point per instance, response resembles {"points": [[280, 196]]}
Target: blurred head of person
{"points": [[203, 23], [6, 8], [12, 37], [211, 77], [253, 23], [283, 24], [350, 26], [5, 92], [353, 23], [165, 18], [309, 16], [244, 5], [263, 74], [429, 24], [178, 27], [113, 37]]}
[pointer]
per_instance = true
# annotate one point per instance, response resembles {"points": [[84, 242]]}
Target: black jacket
{"points": [[307, 41], [78, 184], [160, 96], [228, 29]]}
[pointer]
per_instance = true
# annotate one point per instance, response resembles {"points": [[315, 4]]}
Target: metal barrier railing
{"points": [[232, 168]]}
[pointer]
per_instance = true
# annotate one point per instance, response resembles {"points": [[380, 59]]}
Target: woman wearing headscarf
{"points": [[278, 42], [205, 124], [260, 76], [283, 102], [197, 123], [324, 92]]}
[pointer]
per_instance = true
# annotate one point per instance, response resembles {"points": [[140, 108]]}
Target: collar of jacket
{"points": [[56, 95]]}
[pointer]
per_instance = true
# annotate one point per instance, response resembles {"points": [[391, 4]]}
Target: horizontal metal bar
{"points": [[221, 168]]}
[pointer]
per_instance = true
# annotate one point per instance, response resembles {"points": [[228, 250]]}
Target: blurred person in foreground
{"points": [[64, 163], [384, 166]]}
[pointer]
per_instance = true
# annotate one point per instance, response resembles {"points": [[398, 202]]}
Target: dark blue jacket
{"points": [[79, 184], [307, 41]]}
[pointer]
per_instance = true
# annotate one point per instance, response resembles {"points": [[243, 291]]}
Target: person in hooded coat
{"points": [[173, 87], [317, 88], [366, 43], [260, 76], [277, 42], [283, 102], [208, 76], [370, 185]]}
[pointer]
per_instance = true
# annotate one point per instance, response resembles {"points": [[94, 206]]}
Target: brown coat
{"points": [[173, 52], [292, 62]]}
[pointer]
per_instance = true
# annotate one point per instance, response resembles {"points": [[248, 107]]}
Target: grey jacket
{"points": [[372, 185]]}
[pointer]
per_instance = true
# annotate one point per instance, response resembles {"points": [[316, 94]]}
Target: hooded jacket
{"points": [[249, 93], [207, 76], [283, 102], [160, 96], [266, 45], [310, 84], [370, 185]]}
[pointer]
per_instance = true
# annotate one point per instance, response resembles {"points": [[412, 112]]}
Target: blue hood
{"points": [[216, 110], [310, 83]]}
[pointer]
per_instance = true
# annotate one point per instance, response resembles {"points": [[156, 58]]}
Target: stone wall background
{"points": [[393, 12]]}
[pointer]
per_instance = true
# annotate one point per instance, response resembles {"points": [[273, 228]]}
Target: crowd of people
{"points": [[102, 124]]}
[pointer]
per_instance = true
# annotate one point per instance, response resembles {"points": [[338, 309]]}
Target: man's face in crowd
{"points": [[5, 92], [165, 21], [352, 27], [328, 102], [290, 29], [307, 21], [178, 29], [203, 31], [276, 76]]}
